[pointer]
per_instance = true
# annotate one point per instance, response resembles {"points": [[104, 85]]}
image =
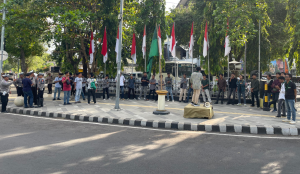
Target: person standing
{"points": [[67, 88], [169, 81], [58, 85], [269, 82], [122, 81], [254, 90], [232, 89], [91, 81], [281, 98], [222, 86], [27, 84], [18, 84], [131, 84], [34, 88], [5, 91], [290, 99], [105, 87], [196, 78], [40, 88], [152, 88], [241, 84], [78, 87], [189, 93], [205, 89], [145, 83], [84, 80], [183, 86], [275, 91], [49, 80], [72, 86]]}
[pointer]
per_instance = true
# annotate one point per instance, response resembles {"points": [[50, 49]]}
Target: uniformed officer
{"points": [[18, 84], [34, 87], [4, 91], [41, 88]]}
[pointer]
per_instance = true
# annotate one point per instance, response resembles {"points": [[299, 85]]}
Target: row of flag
{"points": [[156, 36]]}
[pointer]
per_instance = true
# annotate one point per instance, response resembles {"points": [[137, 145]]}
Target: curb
{"points": [[222, 128]]}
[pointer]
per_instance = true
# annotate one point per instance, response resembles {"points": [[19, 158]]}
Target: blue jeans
{"points": [[169, 89], [67, 96], [30, 95], [290, 107], [122, 91], [82, 93], [57, 89], [188, 95], [239, 95], [77, 95]]}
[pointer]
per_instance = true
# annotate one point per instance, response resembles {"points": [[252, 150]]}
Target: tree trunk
{"points": [[22, 60], [84, 67]]}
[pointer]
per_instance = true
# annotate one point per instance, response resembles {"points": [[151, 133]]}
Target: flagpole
{"points": [[145, 57], [176, 73], [228, 72], [208, 72], [117, 107], [159, 58], [104, 69], [245, 59]]}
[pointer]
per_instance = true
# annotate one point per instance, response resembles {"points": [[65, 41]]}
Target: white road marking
{"points": [[161, 130]]}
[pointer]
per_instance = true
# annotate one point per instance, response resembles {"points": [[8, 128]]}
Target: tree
{"points": [[23, 31]]}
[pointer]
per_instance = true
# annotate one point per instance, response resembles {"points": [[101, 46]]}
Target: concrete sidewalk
{"points": [[227, 118]]}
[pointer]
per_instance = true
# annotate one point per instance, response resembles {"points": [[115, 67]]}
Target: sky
{"points": [[171, 4]]}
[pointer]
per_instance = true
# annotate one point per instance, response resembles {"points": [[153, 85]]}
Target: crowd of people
{"points": [[281, 89]]}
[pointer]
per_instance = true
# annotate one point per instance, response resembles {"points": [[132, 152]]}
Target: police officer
{"points": [[18, 84], [34, 87], [40, 87], [4, 91]]}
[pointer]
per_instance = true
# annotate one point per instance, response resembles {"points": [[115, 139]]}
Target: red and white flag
{"points": [[159, 41], [206, 42], [227, 42], [117, 46], [92, 49], [144, 43], [173, 42], [133, 49], [104, 47], [191, 42]]}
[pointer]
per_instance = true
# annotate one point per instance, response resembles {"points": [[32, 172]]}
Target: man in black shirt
{"points": [[145, 82], [290, 99], [232, 89]]}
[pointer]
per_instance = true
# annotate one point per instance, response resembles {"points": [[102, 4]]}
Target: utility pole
{"points": [[2, 37], [117, 107], [259, 54]]}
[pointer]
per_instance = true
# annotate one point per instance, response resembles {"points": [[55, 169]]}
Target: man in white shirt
{"points": [[122, 81], [91, 88], [58, 83], [281, 99], [78, 87]]}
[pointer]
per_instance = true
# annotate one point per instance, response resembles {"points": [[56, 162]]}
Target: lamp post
{"points": [[2, 37], [117, 107]]}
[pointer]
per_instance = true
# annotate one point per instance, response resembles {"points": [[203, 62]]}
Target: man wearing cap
{"points": [[18, 84], [27, 83], [41, 86], [4, 91], [34, 87]]}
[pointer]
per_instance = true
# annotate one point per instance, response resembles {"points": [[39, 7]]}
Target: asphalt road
{"points": [[31, 145]]}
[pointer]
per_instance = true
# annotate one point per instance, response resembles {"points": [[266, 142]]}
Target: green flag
{"points": [[153, 52]]}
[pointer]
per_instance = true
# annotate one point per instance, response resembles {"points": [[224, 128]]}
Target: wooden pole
{"points": [[159, 58]]}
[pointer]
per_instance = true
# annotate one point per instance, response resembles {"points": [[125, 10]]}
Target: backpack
{"points": [[93, 86]]}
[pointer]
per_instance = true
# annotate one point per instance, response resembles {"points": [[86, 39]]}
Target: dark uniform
{"points": [[34, 89], [41, 87], [18, 84]]}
